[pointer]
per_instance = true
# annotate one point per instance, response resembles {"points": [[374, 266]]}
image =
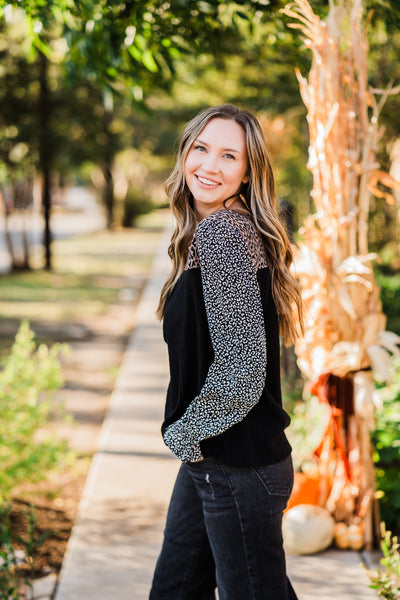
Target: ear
{"points": [[245, 179]]}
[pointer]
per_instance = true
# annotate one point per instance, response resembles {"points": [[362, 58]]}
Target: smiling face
{"points": [[216, 165]]}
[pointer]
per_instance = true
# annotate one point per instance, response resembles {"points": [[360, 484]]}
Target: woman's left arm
{"points": [[236, 377]]}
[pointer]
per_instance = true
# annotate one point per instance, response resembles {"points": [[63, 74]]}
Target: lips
{"points": [[207, 182]]}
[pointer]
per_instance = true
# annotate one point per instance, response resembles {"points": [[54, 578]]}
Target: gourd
{"points": [[341, 534], [307, 529], [356, 536], [306, 489], [351, 536]]}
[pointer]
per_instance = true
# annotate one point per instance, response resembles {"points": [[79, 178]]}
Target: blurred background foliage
{"points": [[385, 439], [94, 92]]}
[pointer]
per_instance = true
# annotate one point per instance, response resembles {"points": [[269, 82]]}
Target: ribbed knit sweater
{"points": [[221, 327]]}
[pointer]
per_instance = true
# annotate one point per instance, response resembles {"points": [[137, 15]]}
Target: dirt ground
{"points": [[90, 371]]}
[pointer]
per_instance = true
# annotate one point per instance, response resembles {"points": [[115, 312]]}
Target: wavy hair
{"points": [[259, 194]]}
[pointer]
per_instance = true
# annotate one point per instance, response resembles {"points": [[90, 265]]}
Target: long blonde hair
{"points": [[259, 194]]}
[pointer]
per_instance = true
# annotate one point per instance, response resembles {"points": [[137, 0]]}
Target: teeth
{"points": [[206, 181]]}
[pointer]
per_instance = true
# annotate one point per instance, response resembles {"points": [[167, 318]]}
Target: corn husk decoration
{"points": [[345, 333]]}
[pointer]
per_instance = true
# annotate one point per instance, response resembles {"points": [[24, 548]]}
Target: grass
{"points": [[93, 287], [89, 274]]}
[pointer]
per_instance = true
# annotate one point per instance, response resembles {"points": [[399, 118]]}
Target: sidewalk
{"points": [[114, 545]]}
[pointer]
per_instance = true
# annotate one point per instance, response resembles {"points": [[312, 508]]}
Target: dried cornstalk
{"points": [[344, 319], [345, 327]]}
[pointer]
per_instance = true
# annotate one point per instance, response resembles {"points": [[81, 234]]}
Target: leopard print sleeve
{"points": [[236, 377]]}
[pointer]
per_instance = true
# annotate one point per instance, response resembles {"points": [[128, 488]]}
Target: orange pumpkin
{"points": [[306, 489]]}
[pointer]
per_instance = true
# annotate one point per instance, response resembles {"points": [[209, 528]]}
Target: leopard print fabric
{"points": [[228, 250], [193, 261]]}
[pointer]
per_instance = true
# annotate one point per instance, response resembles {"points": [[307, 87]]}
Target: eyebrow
{"points": [[199, 141]]}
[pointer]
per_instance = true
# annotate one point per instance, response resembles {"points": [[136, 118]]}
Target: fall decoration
{"points": [[345, 337], [351, 536], [307, 529], [306, 489]]}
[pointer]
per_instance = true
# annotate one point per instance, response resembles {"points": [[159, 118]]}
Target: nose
{"points": [[210, 163]]}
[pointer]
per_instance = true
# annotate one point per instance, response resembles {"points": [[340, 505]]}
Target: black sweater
{"points": [[221, 327]]}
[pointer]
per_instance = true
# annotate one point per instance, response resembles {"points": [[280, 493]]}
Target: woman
{"points": [[229, 295]]}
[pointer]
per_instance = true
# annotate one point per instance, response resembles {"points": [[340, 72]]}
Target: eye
{"points": [[200, 148], [230, 156]]}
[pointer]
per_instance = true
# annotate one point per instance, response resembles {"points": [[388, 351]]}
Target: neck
{"points": [[233, 202]]}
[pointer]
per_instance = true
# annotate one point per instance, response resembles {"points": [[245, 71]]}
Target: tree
{"points": [[105, 55], [122, 49], [18, 148]]}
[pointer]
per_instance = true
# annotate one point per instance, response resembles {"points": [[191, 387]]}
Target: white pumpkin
{"points": [[307, 529]]}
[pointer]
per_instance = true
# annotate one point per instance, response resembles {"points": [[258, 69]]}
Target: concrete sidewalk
{"points": [[114, 545]]}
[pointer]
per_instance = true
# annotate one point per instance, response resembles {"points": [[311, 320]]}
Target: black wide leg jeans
{"points": [[224, 530]]}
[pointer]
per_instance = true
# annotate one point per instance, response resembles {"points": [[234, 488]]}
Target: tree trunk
{"points": [[7, 202], [45, 155], [109, 154], [22, 196], [108, 192]]}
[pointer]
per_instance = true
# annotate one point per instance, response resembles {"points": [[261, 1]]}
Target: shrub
{"points": [[29, 376], [17, 572], [389, 282], [386, 442], [387, 581], [136, 203]]}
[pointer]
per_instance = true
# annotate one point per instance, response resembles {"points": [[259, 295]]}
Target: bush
{"points": [[29, 376], [386, 581], [389, 282], [136, 204], [386, 442], [17, 573]]}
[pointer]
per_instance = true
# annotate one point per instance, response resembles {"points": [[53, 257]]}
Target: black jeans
{"points": [[224, 530]]}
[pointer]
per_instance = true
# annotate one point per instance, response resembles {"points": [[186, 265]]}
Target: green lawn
{"points": [[89, 274]]}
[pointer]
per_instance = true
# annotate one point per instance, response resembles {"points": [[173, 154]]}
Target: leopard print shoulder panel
{"points": [[193, 261], [247, 230]]}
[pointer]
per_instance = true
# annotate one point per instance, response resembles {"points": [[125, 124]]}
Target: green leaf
{"points": [[149, 62], [135, 53]]}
